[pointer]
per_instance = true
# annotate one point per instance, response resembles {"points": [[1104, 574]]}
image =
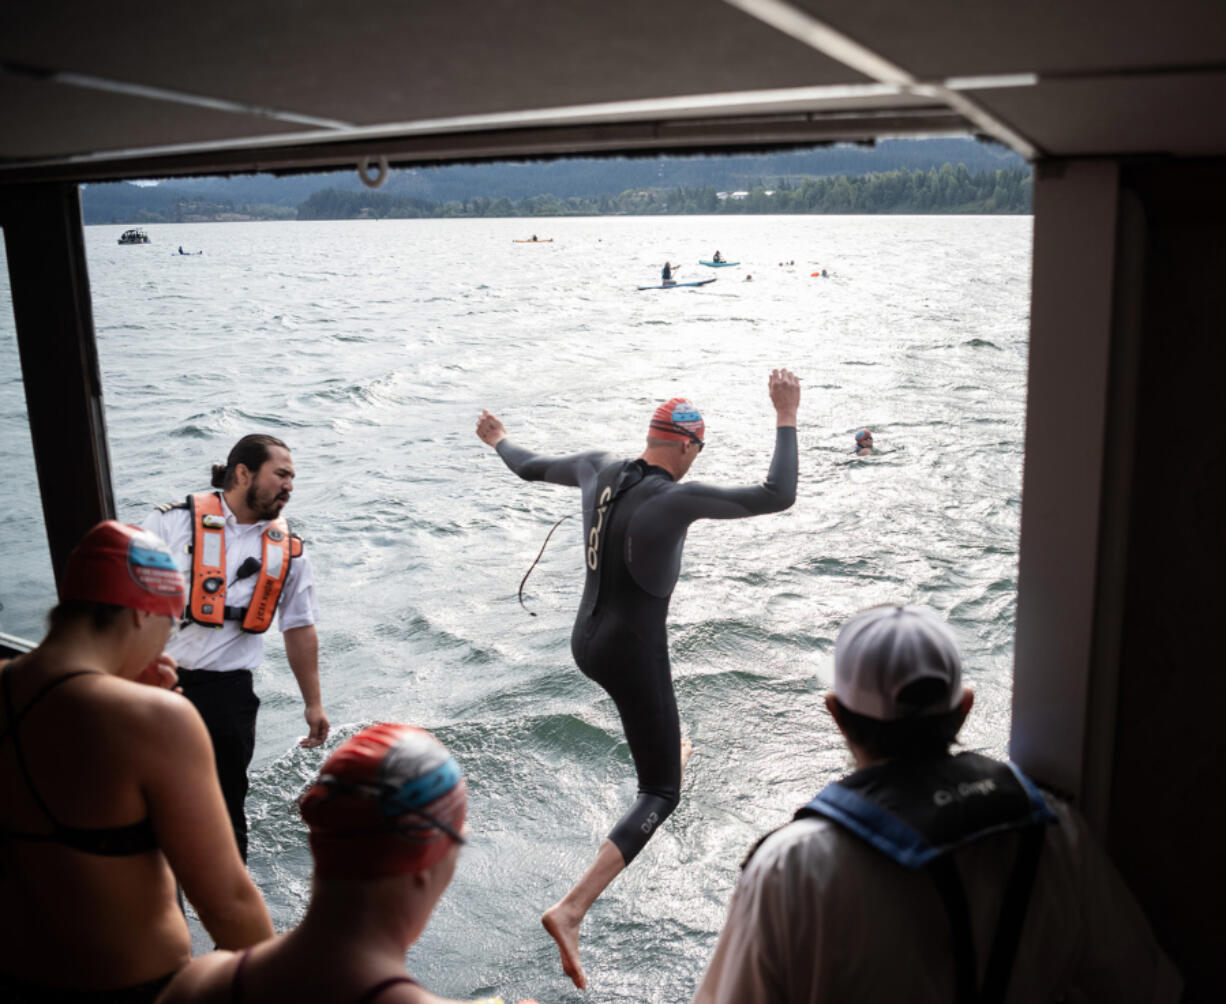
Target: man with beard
{"points": [[242, 564]]}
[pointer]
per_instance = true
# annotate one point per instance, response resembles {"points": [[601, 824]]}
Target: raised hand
{"points": [[785, 395], [490, 430]]}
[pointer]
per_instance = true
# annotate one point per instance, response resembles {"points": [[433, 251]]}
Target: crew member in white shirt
{"points": [[217, 660]]}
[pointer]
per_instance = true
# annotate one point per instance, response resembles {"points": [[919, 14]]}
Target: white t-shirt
{"points": [[818, 915], [198, 646]]}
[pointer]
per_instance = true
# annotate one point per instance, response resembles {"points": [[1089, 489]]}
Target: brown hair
{"points": [[907, 738], [250, 451]]}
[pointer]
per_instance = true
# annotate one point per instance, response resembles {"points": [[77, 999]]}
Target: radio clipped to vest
{"points": [[207, 604]]}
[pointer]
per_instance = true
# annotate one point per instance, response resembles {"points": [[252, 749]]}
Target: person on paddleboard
{"points": [[386, 823], [636, 514], [924, 876], [666, 274], [717, 257]]}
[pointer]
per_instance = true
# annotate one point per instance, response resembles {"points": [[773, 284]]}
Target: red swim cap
{"points": [[125, 566], [676, 419], [390, 801]]}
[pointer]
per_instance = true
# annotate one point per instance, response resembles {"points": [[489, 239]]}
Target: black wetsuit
{"points": [[635, 518]]}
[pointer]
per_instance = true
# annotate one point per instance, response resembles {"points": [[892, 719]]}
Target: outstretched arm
{"points": [[532, 466], [776, 493], [190, 820]]}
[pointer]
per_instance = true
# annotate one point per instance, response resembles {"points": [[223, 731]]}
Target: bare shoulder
{"points": [[413, 993], [203, 981], [153, 713]]}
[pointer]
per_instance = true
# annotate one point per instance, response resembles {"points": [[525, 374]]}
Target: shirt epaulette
{"points": [[167, 506]]}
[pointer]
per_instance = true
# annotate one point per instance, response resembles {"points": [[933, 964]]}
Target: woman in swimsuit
{"points": [[108, 793], [386, 820]]}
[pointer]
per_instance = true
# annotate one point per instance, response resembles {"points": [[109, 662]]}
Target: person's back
{"points": [[872, 930], [927, 877], [107, 792], [54, 892]]}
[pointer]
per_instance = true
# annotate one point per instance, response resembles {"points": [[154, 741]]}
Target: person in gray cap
{"points": [[925, 876]]}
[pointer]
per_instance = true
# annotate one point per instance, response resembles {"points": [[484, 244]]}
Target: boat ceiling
{"points": [[90, 90]]}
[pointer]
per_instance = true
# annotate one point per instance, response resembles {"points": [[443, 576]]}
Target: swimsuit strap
{"points": [[236, 982], [378, 988], [15, 720]]}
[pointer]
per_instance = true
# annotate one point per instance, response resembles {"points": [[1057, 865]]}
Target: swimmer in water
{"points": [[636, 514], [864, 443]]}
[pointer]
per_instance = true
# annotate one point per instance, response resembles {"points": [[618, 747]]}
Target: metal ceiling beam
{"points": [[676, 136], [821, 37], [89, 82]]}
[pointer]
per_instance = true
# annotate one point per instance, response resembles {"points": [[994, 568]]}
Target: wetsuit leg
{"points": [[639, 679]]}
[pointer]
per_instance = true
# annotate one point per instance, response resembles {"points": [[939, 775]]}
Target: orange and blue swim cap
{"points": [[390, 801], [677, 419]]}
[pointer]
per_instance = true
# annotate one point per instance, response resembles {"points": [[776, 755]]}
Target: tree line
{"points": [[951, 189]]}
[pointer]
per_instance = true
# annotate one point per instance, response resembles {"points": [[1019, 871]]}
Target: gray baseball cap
{"points": [[881, 651]]}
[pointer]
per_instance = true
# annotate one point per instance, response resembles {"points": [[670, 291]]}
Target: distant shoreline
{"points": [[948, 190]]}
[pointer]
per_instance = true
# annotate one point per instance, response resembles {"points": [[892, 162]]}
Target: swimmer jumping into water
{"points": [[635, 517]]}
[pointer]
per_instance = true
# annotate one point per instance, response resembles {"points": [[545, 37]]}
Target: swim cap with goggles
{"points": [[126, 567], [677, 419], [390, 801], [863, 434]]}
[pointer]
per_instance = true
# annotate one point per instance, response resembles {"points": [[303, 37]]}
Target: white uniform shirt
{"points": [[819, 915], [198, 646]]}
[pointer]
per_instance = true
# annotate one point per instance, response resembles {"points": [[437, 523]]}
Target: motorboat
{"points": [[134, 237]]}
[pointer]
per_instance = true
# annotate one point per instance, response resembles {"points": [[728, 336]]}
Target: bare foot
{"points": [[687, 750], [565, 931]]}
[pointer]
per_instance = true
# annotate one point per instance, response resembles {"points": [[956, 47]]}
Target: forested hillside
{"points": [[587, 185], [949, 190]]}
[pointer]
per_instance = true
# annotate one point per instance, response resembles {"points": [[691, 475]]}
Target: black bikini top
{"points": [[109, 841]]}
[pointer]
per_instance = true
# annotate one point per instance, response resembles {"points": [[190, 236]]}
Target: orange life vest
{"points": [[207, 604]]}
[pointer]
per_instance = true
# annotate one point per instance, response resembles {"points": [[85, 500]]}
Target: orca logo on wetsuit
{"points": [[593, 536]]}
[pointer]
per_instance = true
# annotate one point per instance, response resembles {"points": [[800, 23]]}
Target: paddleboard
{"points": [[678, 285], [718, 264], [543, 240]]}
